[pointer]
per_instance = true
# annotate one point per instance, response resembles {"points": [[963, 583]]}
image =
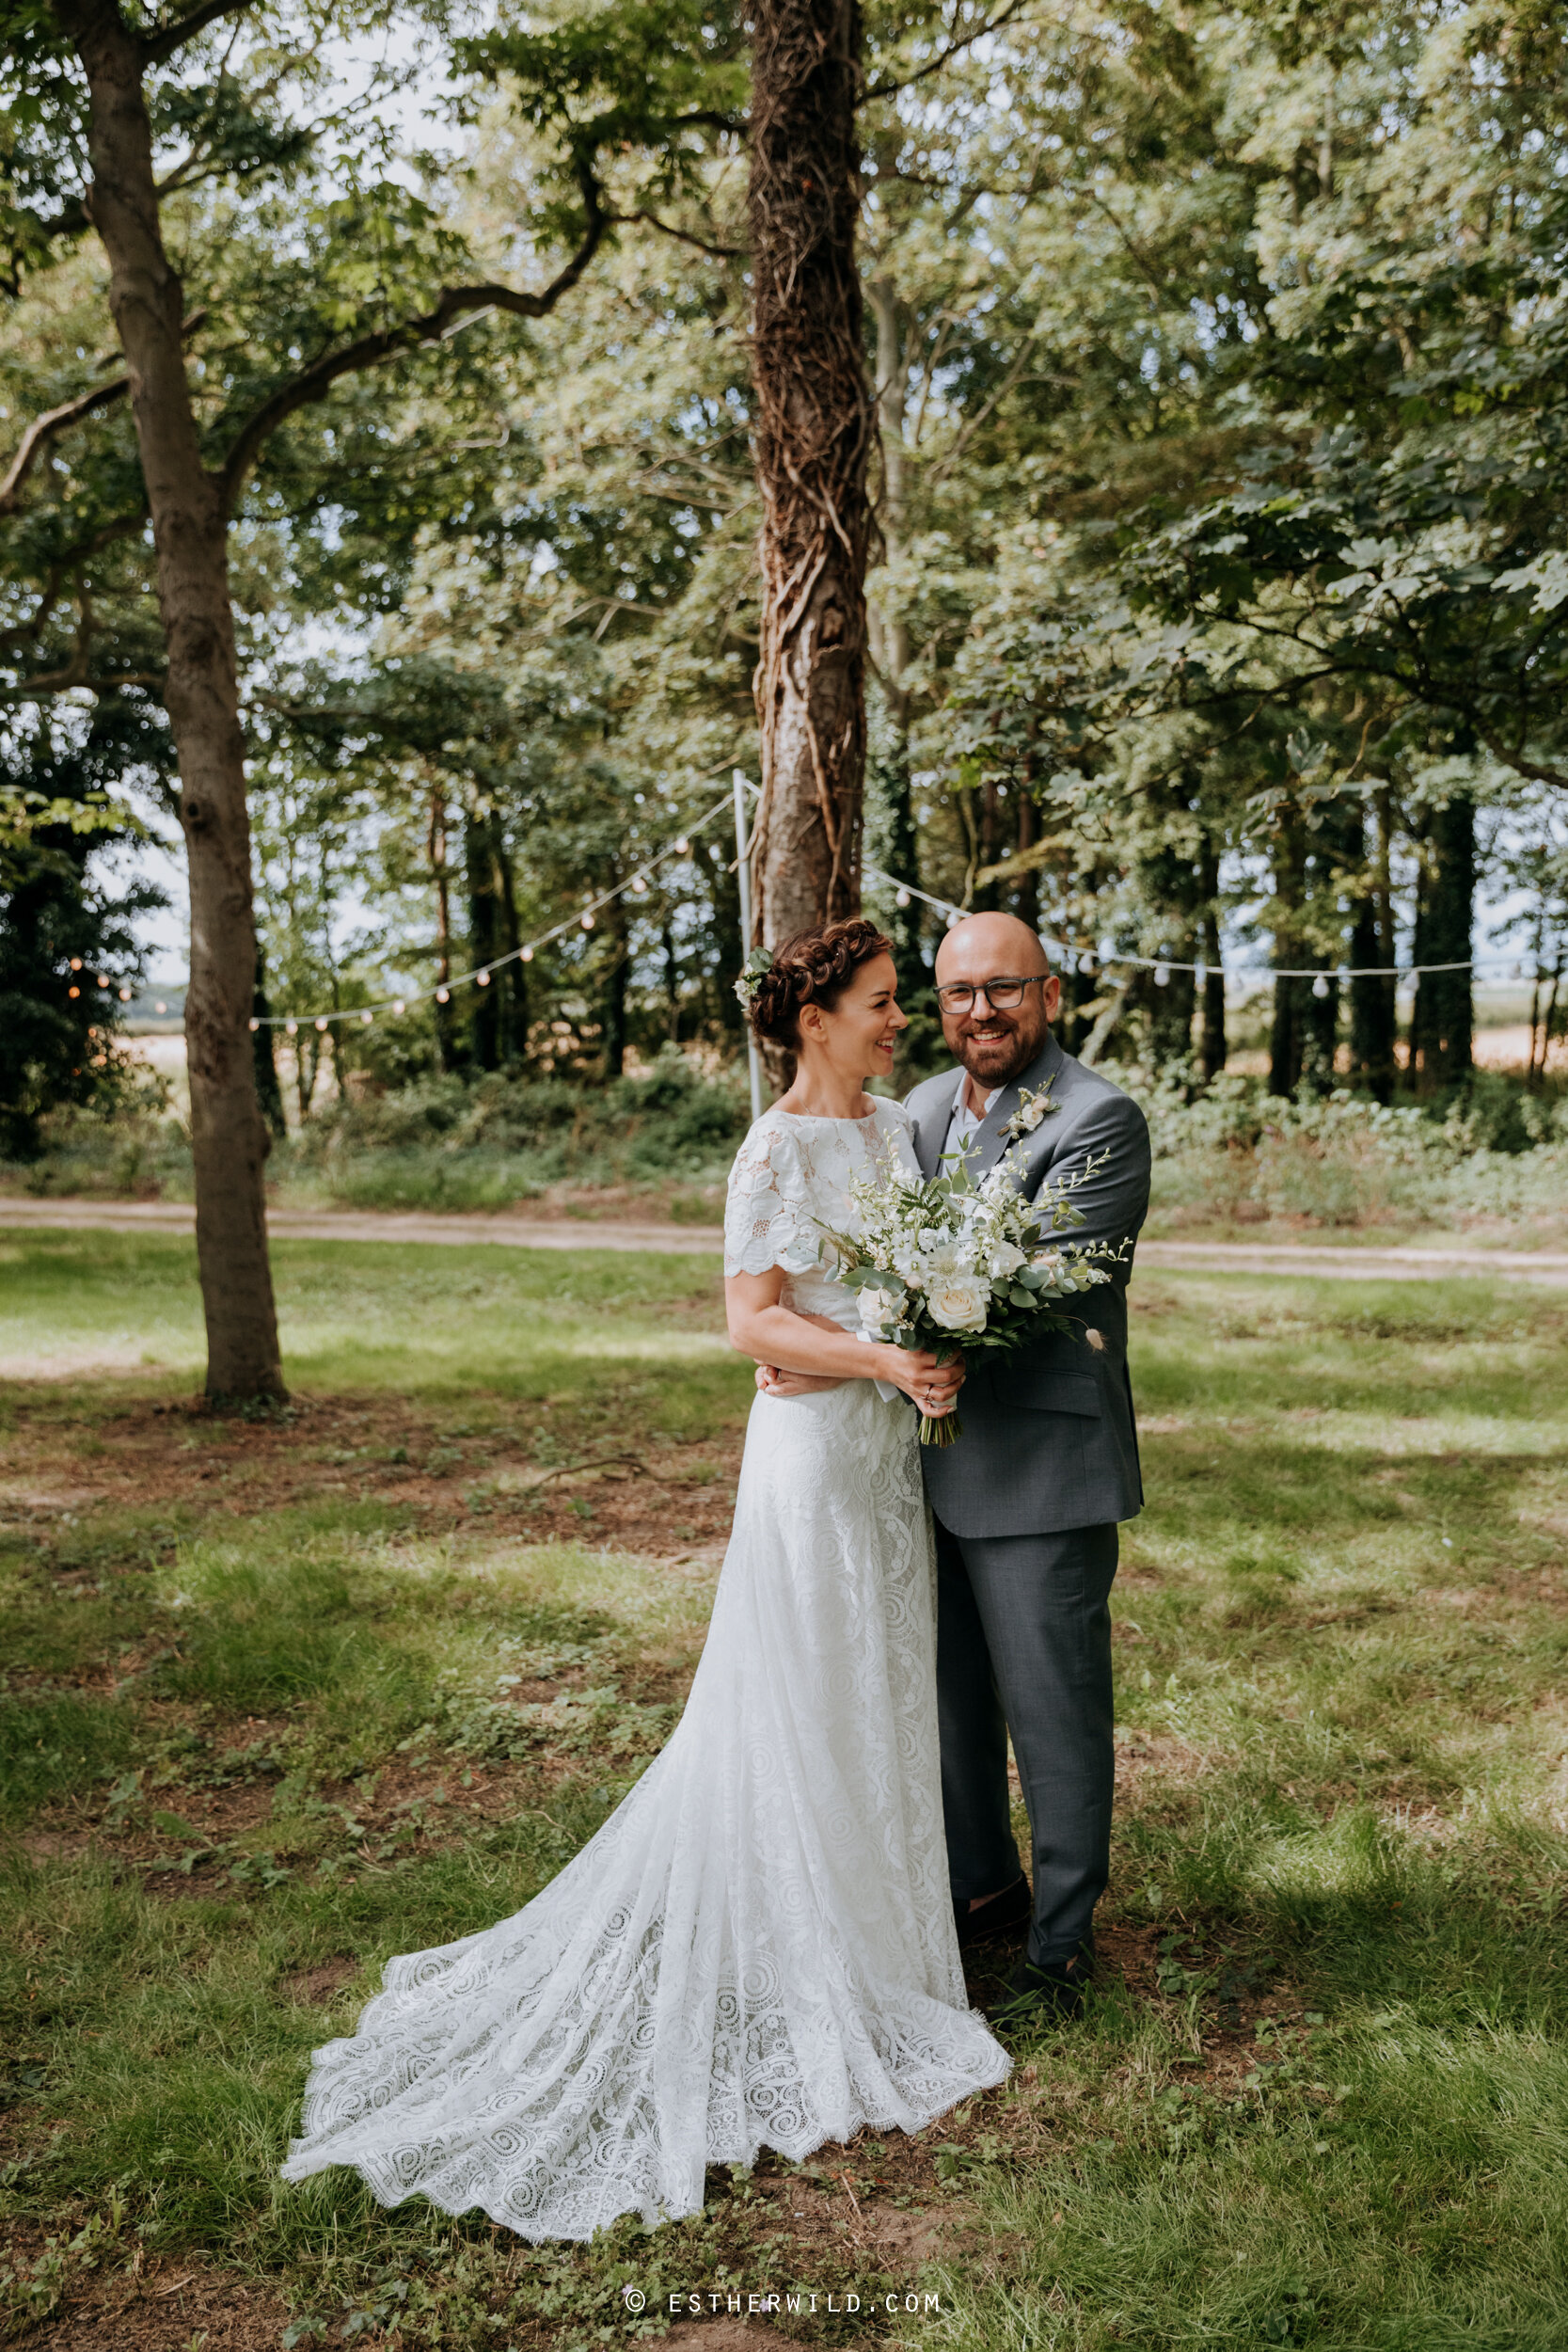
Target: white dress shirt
{"points": [[964, 1123]]}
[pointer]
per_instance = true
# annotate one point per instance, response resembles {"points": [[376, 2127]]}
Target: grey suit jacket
{"points": [[1048, 1440]]}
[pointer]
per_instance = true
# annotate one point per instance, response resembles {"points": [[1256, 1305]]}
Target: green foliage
{"points": [[67, 945]]}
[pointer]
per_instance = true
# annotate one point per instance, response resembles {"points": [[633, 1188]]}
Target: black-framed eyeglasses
{"points": [[1002, 994]]}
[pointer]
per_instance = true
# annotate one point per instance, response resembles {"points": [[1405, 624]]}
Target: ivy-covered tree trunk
{"points": [[228, 1137], [890, 646], [1442, 1020], [811, 445]]}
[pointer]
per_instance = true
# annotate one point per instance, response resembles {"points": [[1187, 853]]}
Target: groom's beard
{"points": [[995, 1061]]}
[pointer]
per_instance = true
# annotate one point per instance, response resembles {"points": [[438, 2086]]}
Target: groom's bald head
{"points": [[995, 1044]]}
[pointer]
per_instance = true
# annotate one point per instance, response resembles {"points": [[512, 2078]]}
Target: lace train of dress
{"points": [[757, 1949]]}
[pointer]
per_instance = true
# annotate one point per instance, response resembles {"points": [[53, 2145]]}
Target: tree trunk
{"points": [[1373, 1020], [1287, 1039], [890, 647], [1170, 886], [514, 979], [619, 937], [812, 441], [447, 1054], [228, 1137], [1026, 903], [1442, 1020], [1213, 1051], [671, 979], [269, 1094], [479, 871]]}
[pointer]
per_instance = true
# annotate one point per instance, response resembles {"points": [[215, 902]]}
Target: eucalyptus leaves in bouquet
{"points": [[944, 1261]]}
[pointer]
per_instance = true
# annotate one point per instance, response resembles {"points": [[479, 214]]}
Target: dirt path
{"points": [[1405, 1263]]}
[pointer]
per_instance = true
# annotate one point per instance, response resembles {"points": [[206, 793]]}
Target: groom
{"points": [[1027, 1502]]}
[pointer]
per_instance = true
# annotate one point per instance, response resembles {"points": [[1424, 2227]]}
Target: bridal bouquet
{"points": [[946, 1259]]}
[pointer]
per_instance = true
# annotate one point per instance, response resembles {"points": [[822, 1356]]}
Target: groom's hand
{"points": [[774, 1381]]}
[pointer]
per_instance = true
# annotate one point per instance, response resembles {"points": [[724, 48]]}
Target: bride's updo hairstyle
{"points": [[812, 968]]}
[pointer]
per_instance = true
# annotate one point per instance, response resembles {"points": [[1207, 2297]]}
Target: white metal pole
{"points": [[743, 875]]}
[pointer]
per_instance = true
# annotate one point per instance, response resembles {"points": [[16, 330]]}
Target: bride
{"points": [[758, 1948]]}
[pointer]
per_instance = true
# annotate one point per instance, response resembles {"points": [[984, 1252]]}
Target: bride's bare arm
{"points": [[771, 1333]]}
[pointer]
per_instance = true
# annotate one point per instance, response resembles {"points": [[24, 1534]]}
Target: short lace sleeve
{"points": [[768, 1219]]}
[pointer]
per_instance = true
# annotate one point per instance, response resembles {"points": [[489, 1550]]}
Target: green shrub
{"points": [[1234, 1152]]}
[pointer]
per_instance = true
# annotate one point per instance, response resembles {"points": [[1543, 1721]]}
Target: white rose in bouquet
{"points": [[959, 1302], [880, 1310]]}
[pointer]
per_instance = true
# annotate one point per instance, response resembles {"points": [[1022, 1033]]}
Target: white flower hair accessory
{"points": [[1034, 1104], [752, 974]]}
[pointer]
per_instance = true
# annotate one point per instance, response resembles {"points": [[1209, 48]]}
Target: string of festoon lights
{"points": [[1080, 957]]}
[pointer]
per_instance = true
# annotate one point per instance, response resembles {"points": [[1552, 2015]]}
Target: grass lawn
{"points": [[284, 1698]]}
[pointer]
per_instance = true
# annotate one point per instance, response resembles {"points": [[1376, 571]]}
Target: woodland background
{"points": [[1216, 603]]}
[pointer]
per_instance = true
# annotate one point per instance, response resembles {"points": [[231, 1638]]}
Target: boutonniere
{"points": [[1033, 1106]]}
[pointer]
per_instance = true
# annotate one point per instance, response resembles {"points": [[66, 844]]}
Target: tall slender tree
{"points": [[579, 94], [812, 436]]}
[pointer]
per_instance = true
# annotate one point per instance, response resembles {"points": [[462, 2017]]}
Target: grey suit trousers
{"points": [[1024, 1641]]}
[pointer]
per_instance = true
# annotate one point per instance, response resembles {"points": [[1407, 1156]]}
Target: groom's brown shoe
{"points": [[999, 1914]]}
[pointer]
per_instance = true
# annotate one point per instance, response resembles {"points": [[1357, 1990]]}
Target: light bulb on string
{"points": [[683, 847], [253, 1024], [482, 979], [587, 918], [1086, 962], [73, 992], [528, 955], [292, 1027], [124, 995], [365, 1019], [1162, 975], [321, 1022], [398, 1005], [1320, 986], [640, 883], [902, 899], [76, 963], [443, 997], [103, 979]]}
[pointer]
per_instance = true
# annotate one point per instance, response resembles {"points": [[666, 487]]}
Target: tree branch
{"points": [[169, 38], [44, 429], [456, 303], [887, 89], [652, 220], [1511, 759], [70, 412]]}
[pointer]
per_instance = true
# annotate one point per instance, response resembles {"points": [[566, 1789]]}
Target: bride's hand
{"points": [[931, 1385], [773, 1381]]}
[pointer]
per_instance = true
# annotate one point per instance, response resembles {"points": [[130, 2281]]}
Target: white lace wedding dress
{"points": [[757, 1949]]}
